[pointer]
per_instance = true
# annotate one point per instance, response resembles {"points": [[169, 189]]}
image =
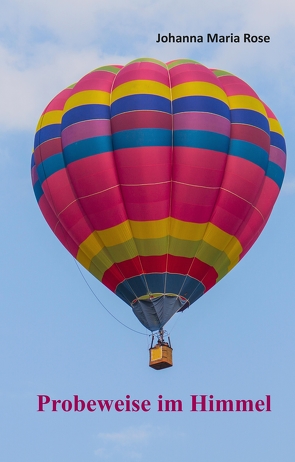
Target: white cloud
{"points": [[24, 93], [131, 442], [128, 442], [129, 436], [102, 453]]}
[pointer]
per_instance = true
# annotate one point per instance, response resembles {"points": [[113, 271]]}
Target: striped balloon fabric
{"points": [[158, 178]]}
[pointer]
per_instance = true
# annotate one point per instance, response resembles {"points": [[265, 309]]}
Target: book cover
{"points": [[75, 378]]}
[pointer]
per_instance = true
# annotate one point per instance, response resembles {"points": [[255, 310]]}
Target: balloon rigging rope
{"points": [[100, 302]]}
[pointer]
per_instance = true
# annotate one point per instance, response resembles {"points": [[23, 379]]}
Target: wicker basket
{"points": [[161, 357]]}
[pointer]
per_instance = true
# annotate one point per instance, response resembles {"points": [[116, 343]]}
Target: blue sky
{"points": [[236, 342]]}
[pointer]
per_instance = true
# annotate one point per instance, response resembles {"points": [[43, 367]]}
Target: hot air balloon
{"points": [[158, 178]]}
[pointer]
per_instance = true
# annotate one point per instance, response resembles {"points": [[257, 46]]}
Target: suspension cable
{"points": [[100, 302]]}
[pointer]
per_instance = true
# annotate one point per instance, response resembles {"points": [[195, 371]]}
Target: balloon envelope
{"points": [[158, 178]]}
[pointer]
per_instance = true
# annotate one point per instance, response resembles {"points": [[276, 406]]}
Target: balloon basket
{"points": [[161, 357]]}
